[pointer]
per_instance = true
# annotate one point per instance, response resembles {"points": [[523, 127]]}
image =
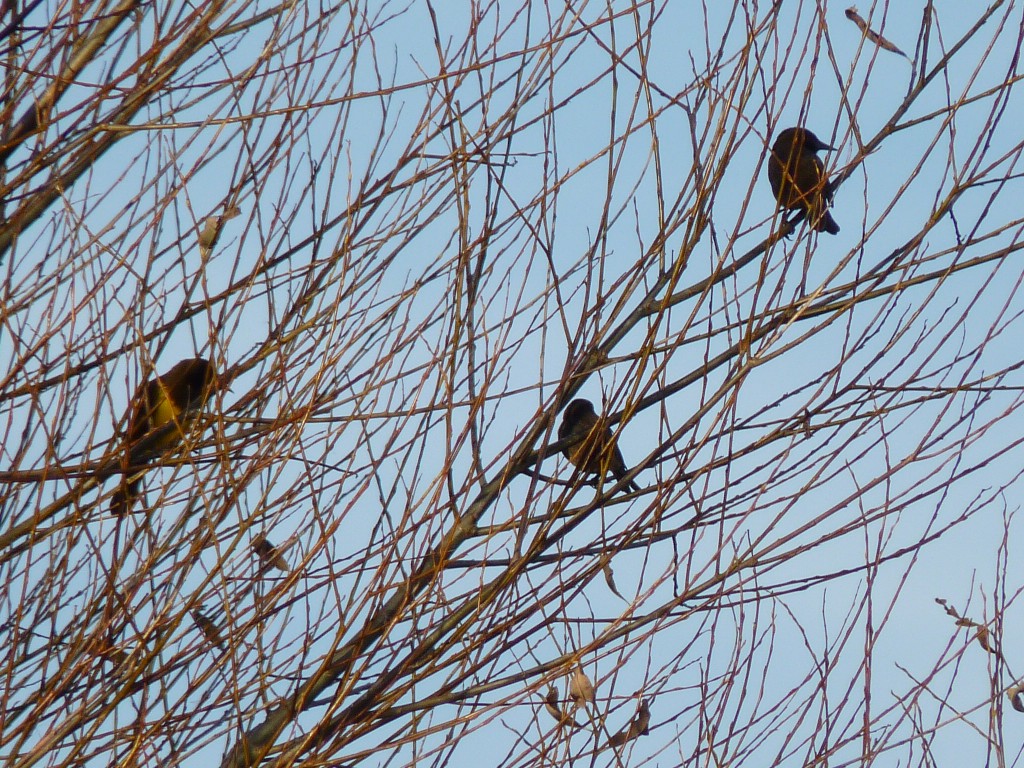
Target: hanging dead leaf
{"points": [[952, 613], [642, 721], [1013, 693], [551, 705], [268, 554], [983, 637], [638, 726], [208, 628], [981, 632], [870, 34], [212, 226], [581, 690], [609, 576]]}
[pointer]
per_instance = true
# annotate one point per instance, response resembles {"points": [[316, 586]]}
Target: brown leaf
{"points": [[981, 632], [268, 554], [982, 635], [641, 723], [870, 34], [1015, 699], [212, 226], [638, 726], [208, 628], [951, 612], [581, 690], [551, 704], [209, 235], [609, 576]]}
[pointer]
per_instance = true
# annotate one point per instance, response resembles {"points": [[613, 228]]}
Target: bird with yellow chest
{"points": [[159, 419]]}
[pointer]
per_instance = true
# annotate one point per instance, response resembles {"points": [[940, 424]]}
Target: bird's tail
{"points": [[124, 497], [826, 223], [620, 473]]}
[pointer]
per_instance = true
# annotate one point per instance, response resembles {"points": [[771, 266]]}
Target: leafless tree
{"points": [[407, 235]]}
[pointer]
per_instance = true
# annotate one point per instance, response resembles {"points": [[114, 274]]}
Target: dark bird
{"points": [[596, 451], [798, 177], [159, 420], [268, 554], [208, 628]]}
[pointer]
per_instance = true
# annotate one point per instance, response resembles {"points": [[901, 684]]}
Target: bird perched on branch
{"points": [[160, 418], [596, 451], [798, 177]]}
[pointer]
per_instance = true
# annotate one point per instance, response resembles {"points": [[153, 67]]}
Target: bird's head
{"points": [[802, 138], [577, 409]]}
